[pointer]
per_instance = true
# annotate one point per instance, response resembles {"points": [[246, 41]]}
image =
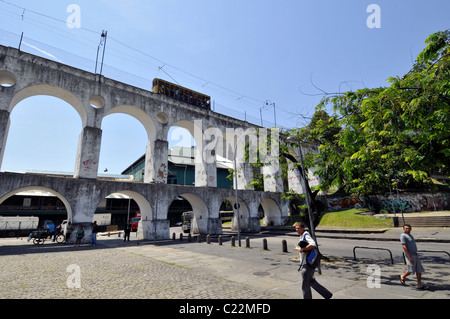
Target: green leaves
{"points": [[384, 137]]}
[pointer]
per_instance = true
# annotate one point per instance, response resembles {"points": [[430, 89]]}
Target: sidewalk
{"points": [[421, 234], [425, 234], [276, 272]]}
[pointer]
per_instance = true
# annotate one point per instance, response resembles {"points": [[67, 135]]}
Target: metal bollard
{"points": [[247, 242], [220, 240], [284, 245], [199, 238], [174, 236], [189, 237], [265, 244], [181, 237], [208, 239], [233, 242]]}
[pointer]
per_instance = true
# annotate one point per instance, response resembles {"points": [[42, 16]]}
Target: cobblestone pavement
{"points": [[43, 272], [194, 271]]}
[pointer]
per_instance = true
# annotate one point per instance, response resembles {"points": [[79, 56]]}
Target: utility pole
{"points": [[103, 39], [293, 139]]}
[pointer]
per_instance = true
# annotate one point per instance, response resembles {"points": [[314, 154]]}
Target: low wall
{"points": [[406, 202]]}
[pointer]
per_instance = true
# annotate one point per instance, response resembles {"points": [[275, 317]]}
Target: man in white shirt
{"points": [[307, 270]]}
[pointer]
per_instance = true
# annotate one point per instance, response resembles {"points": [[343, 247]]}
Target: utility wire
{"points": [[242, 96], [203, 82], [42, 15]]}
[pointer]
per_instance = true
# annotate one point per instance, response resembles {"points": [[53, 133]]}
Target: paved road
{"points": [[176, 269], [113, 269]]}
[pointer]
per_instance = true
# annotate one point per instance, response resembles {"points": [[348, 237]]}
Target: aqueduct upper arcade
{"points": [[94, 97]]}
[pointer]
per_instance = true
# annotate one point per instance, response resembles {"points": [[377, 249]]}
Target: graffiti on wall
{"points": [[161, 176], [406, 202], [345, 202], [432, 203], [88, 165], [395, 205]]}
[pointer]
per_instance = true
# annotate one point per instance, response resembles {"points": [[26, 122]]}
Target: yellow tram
{"points": [[181, 94]]}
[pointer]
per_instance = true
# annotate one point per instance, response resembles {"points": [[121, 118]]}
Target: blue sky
{"points": [[241, 53]]}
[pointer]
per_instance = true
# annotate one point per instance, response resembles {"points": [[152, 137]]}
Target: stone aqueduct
{"points": [[94, 97]]}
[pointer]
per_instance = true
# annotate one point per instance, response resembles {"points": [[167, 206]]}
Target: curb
{"points": [[373, 234]]}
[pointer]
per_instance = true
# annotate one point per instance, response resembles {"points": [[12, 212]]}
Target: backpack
{"points": [[313, 256]]}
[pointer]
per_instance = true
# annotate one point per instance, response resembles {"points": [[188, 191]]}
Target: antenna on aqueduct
{"points": [[103, 38]]}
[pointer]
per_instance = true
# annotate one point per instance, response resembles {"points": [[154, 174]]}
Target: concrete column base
{"points": [[147, 229]]}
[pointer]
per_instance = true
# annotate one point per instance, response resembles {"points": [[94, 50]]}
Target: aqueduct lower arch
{"points": [[40, 188]]}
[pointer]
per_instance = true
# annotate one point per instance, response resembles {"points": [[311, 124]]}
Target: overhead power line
{"points": [[25, 15], [145, 54]]}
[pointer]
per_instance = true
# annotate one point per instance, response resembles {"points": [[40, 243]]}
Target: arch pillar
{"points": [[205, 155], [6, 96], [273, 182], [253, 222], [271, 169], [214, 223], [248, 214], [4, 129], [236, 147], [156, 159], [88, 153], [205, 166], [154, 224], [154, 229], [295, 180]]}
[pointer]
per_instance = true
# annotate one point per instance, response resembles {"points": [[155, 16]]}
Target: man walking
{"points": [[412, 258], [308, 244]]}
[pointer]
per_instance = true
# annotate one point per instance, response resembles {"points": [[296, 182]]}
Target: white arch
{"points": [[44, 189], [50, 90], [139, 115], [149, 126], [198, 205], [144, 206], [272, 212], [193, 128], [188, 125], [244, 213], [199, 223]]}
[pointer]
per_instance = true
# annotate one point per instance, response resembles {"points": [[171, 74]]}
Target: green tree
{"points": [[391, 136]]}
